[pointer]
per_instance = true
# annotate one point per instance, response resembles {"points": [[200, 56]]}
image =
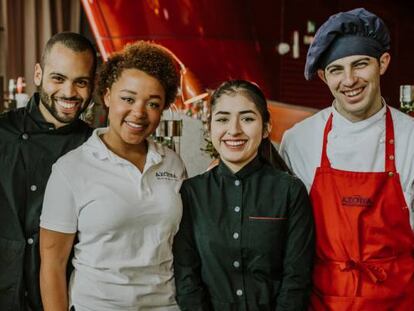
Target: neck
{"points": [[237, 166], [356, 116], [136, 154]]}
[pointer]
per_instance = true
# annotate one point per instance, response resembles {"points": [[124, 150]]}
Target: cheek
{"points": [[255, 134], [215, 134], [111, 117], [155, 117], [85, 93], [333, 86], [216, 131], [115, 113], [333, 83], [49, 88]]}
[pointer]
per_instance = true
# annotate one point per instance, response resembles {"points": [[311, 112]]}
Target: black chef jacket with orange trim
{"points": [[245, 242]]}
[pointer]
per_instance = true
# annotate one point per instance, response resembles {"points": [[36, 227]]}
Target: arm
{"points": [[298, 260], [55, 248], [191, 293], [58, 224]]}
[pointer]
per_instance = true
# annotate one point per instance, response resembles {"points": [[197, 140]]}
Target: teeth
{"points": [[353, 92], [66, 105], [134, 125], [235, 142]]}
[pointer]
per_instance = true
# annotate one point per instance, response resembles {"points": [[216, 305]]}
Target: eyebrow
{"points": [[63, 76], [57, 74], [135, 93], [352, 64], [240, 112]]}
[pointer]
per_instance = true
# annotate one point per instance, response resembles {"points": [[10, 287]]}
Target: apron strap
{"points": [[324, 157], [389, 143]]}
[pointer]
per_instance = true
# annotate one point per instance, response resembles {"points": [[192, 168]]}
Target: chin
{"points": [[233, 160], [135, 142]]}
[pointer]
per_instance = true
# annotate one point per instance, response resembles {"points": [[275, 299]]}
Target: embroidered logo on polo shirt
{"points": [[165, 175], [357, 200]]}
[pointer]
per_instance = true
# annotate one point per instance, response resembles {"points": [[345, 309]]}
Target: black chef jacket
{"points": [[245, 241], [28, 148]]}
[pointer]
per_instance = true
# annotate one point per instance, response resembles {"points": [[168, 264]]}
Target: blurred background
{"points": [[264, 41]]}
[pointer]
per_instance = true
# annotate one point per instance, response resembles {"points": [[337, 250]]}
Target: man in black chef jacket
{"points": [[31, 140]]}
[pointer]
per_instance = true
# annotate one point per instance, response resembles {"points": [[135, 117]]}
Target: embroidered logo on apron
{"points": [[356, 200]]}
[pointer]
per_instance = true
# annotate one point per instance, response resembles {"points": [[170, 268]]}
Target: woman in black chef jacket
{"points": [[246, 237]]}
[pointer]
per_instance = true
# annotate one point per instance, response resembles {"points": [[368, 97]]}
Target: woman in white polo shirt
{"points": [[119, 194]]}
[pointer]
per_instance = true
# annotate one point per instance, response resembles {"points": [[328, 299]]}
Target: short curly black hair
{"points": [[147, 57]]}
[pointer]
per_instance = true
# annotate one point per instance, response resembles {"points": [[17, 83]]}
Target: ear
{"points": [[38, 74], [384, 61], [321, 75], [267, 129], [107, 97]]}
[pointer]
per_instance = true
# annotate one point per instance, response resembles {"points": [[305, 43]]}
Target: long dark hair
{"points": [[251, 91]]}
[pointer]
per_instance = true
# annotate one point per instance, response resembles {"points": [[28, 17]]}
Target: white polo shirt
{"points": [[358, 146], [126, 221]]}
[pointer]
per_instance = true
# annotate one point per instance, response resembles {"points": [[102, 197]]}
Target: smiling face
{"points": [[354, 81], [135, 101], [236, 130], [65, 84]]}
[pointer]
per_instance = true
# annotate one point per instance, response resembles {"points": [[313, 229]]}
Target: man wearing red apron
{"points": [[357, 160]]}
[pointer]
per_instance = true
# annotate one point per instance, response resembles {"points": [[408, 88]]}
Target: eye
{"points": [[334, 71], [154, 105], [248, 119], [57, 79], [128, 100], [361, 65], [221, 120], [82, 83]]}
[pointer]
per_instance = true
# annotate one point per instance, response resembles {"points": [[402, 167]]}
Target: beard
{"points": [[49, 102]]}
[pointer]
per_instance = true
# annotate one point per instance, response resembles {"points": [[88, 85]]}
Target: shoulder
{"points": [[169, 157], [198, 182], [307, 128], [69, 163], [12, 118], [404, 132], [401, 119], [278, 176], [305, 134], [403, 126], [83, 128], [294, 186]]}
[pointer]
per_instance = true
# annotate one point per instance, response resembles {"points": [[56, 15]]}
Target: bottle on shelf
{"points": [[407, 99]]}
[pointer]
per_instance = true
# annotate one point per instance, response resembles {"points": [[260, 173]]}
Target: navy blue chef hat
{"points": [[356, 32]]}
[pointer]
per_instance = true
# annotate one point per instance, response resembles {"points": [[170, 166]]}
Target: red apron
{"points": [[364, 242]]}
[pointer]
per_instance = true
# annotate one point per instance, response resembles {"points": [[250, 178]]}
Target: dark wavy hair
{"points": [[251, 91], [144, 56]]}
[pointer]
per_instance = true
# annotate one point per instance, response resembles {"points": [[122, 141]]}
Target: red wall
{"points": [[222, 39]]}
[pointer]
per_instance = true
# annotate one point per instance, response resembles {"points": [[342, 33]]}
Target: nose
{"points": [[350, 78], [69, 90], [234, 127], [138, 108]]}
